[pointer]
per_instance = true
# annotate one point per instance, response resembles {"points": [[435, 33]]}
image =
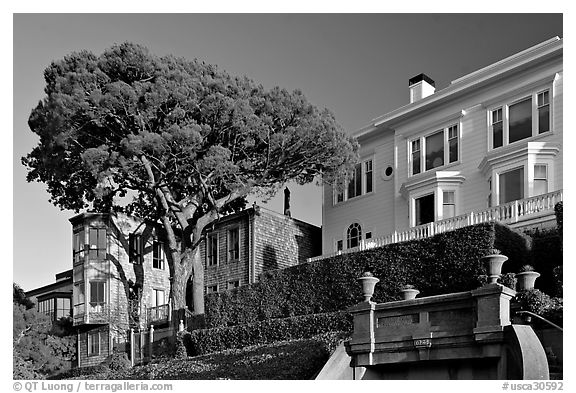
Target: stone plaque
{"points": [[398, 320]]}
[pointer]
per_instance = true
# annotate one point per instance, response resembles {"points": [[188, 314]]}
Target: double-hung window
{"points": [[78, 247], [233, 244], [361, 182], [157, 255], [540, 179], [97, 296], [212, 249], [97, 242], [93, 344], [520, 119], [136, 248], [434, 150]]}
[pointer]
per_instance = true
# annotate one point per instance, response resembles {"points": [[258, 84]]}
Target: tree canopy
{"points": [[182, 140]]}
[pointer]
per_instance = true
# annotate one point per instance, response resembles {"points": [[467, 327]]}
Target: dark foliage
{"points": [[545, 256], [285, 360], [538, 302], [19, 297], [205, 341], [448, 262]]}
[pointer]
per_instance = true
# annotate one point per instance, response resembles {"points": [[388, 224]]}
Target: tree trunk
{"points": [[191, 263], [197, 282]]}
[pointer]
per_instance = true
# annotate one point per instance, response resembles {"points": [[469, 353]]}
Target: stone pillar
{"points": [[362, 344], [493, 311], [132, 347], [150, 341]]}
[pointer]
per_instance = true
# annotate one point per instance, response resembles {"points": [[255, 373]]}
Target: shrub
{"points": [[118, 362], [217, 339], [545, 256], [447, 262], [506, 279], [538, 302]]}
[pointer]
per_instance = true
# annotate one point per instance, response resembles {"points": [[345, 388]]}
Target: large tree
{"points": [[183, 141]]}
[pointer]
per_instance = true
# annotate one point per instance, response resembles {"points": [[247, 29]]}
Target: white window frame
{"points": [[212, 235], [154, 297], [360, 234], [546, 179], [89, 340], [364, 184], [232, 284], [228, 244], [162, 258], [505, 108], [214, 290], [421, 139], [527, 163]]}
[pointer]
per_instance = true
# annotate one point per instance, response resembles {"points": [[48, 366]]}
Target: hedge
{"points": [[545, 256], [448, 262], [202, 341]]}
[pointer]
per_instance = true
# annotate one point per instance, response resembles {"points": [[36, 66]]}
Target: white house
{"points": [[487, 147]]}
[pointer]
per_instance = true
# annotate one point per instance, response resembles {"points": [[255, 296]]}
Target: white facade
{"points": [[491, 137]]}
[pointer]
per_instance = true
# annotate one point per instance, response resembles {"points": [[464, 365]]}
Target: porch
{"points": [[527, 212]]}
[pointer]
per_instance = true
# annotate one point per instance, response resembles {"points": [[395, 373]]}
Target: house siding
{"points": [[372, 210], [268, 241], [280, 241], [226, 271]]}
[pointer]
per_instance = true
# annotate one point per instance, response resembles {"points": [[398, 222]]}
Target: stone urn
{"points": [[368, 282], [408, 292], [493, 263], [526, 278]]}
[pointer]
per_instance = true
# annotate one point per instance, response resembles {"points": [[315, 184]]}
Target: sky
{"points": [[356, 65]]}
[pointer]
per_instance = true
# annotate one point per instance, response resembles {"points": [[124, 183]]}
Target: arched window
{"points": [[354, 235]]}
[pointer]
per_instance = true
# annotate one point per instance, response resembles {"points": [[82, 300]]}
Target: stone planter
{"points": [[526, 280], [368, 282], [493, 264], [409, 293]]}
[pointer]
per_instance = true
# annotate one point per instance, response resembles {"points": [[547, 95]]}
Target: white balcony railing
{"points": [[508, 213]]}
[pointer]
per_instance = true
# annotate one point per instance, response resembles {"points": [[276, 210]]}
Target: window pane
{"points": [[449, 205], [543, 119], [339, 245], [435, 150], [425, 209], [520, 121], [416, 157], [355, 185], [511, 185], [415, 163], [453, 150], [354, 235], [368, 174]]}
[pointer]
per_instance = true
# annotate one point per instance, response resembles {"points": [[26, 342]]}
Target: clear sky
{"points": [[356, 65]]}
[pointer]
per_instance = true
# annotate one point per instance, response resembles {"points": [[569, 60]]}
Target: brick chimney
{"points": [[287, 202], [421, 86]]}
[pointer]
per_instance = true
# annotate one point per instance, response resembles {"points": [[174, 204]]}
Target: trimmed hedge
{"points": [[203, 341], [448, 262]]}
